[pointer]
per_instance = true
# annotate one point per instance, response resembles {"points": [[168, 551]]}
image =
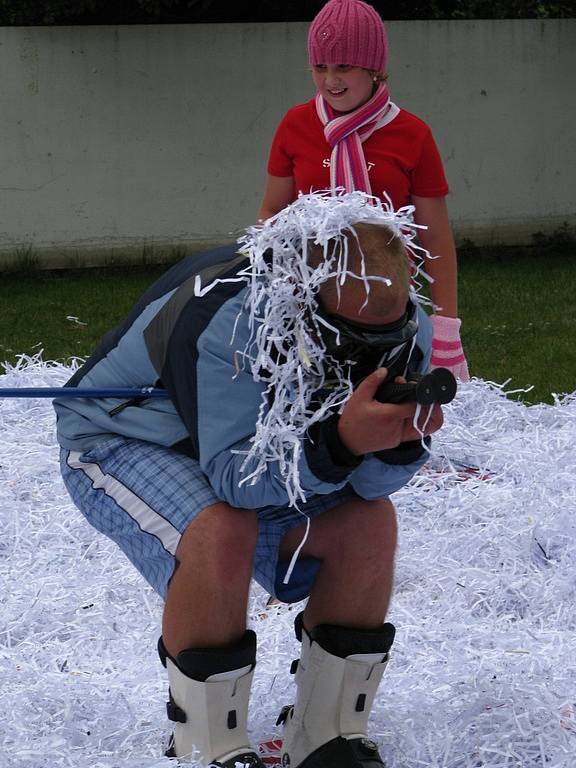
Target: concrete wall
{"points": [[124, 141]]}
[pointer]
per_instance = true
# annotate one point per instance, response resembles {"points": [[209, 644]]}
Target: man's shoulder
{"points": [[204, 279], [198, 261]]}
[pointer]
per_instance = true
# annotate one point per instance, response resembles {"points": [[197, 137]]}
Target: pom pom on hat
{"points": [[348, 32]]}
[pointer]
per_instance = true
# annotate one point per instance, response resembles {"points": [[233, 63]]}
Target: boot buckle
{"points": [[285, 712], [174, 712]]}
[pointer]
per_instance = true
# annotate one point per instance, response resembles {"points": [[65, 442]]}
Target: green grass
{"points": [[519, 321], [34, 309], [518, 318]]}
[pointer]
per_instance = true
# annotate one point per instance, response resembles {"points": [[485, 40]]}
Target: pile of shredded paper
{"points": [[484, 666]]}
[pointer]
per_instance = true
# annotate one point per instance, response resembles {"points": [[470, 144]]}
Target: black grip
{"points": [[438, 386], [390, 392]]}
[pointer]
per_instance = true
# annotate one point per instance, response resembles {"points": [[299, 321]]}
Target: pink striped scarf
{"points": [[346, 133]]}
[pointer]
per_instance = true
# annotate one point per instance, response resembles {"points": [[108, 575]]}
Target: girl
{"points": [[351, 135]]}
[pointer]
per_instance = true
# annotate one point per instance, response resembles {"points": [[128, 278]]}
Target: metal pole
{"points": [[87, 392]]}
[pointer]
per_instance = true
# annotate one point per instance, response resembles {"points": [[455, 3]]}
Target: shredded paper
{"points": [[285, 350], [483, 670]]}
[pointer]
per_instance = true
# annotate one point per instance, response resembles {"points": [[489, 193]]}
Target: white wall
{"points": [[118, 141]]}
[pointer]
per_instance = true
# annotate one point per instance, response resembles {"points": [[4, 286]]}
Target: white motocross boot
{"points": [[209, 695], [337, 678]]}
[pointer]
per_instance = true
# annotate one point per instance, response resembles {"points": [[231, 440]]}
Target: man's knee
{"points": [[384, 515], [370, 526], [222, 538], [357, 529], [363, 533]]}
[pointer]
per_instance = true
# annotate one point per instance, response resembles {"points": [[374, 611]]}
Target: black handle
{"points": [[438, 386]]}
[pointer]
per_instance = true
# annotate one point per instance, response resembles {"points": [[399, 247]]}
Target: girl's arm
{"points": [[437, 239], [432, 213], [278, 194]]}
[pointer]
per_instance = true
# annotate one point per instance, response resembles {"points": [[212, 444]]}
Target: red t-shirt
{"points": [[402, 156]]}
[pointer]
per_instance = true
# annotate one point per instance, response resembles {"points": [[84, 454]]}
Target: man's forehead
{"points": [[372, 309]]}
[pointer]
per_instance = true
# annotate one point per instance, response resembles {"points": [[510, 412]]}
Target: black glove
{"points": [[327, 456], [405, 453]]}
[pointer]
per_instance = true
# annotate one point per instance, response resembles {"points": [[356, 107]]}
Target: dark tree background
{"points": [[27, 12]]}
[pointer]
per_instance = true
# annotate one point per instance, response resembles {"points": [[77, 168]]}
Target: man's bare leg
{"points": [[207, 651], [207, 600], [356, 543], [345, 643]]}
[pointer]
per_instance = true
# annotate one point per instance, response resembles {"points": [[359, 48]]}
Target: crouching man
{"points": [[270, 458]]}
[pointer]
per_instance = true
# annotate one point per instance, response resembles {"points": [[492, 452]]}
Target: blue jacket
{"points": [[175, 340]]}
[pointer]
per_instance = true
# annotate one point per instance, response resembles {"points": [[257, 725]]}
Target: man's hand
{"points": [[367, 426]]}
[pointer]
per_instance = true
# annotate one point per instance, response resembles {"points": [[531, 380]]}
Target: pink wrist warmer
{"points": [[447, 349]]}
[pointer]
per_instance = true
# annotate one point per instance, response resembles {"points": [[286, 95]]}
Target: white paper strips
{"points": [[483, 669], [285, 350]]}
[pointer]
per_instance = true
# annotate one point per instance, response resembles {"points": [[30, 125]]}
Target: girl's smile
{"points": [[344, 87]]}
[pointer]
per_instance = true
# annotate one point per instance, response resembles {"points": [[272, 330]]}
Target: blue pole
{"points": [[88, 392]]}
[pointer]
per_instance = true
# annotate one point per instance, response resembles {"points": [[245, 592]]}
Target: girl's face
{"points": [[344, 87]]}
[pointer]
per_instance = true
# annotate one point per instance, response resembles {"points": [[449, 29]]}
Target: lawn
{"points": [[519, 320], [516, 305]]}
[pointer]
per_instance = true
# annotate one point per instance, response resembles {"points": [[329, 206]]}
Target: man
{"points": [[272, 357]]}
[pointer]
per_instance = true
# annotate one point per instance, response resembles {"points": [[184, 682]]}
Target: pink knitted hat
{"points": [[348, 32]]}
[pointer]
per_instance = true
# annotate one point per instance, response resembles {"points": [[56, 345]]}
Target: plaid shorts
{"points": [[143, 496]]}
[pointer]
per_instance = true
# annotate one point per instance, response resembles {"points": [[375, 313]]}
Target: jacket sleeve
{"points": [[376, 480]]}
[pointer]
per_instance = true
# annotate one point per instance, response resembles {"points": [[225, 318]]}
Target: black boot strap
{"points": [[284, 713], [174, 712]]}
